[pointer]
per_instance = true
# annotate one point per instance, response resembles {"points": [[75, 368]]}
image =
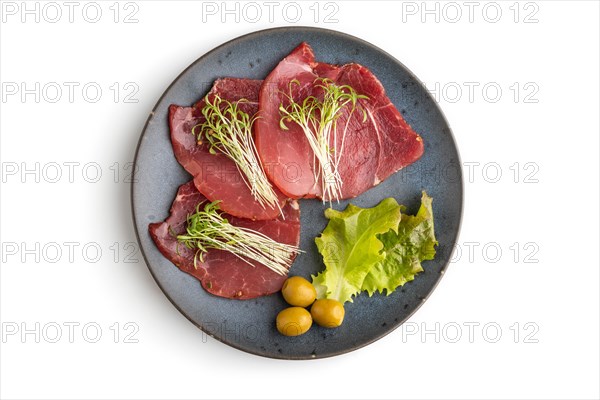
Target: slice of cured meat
{"points": [[373, 149], [215, 175], [222, 273]]}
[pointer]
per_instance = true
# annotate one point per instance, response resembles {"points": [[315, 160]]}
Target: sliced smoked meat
{"points": [[373, 149], [215, 175], [222, 273]]}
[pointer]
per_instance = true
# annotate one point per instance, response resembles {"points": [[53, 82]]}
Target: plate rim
{"points": [[151, 115]]}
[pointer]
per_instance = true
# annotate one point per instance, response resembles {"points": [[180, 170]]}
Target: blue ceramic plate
{"points": [[250, 325]]}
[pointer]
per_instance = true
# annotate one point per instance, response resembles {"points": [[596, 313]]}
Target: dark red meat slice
{"points": [[215, 175], [222, 273], [373, 149]]}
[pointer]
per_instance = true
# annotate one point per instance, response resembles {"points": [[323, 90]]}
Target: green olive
{"points": [[293, 321], [328, 313], [297, 291]]}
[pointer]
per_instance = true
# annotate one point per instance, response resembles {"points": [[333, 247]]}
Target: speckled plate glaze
{"points": [[250, 325]]}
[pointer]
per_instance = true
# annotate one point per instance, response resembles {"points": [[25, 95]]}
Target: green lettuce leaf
{"points": [[373, 249], [404, 250], [350, 247]]}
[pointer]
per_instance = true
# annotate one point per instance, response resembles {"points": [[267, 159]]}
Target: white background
{"points": [[540, 294]]}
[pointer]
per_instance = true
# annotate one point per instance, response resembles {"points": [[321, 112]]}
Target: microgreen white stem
{"points": [[228, 130], [318, 120], [208, 229]]}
